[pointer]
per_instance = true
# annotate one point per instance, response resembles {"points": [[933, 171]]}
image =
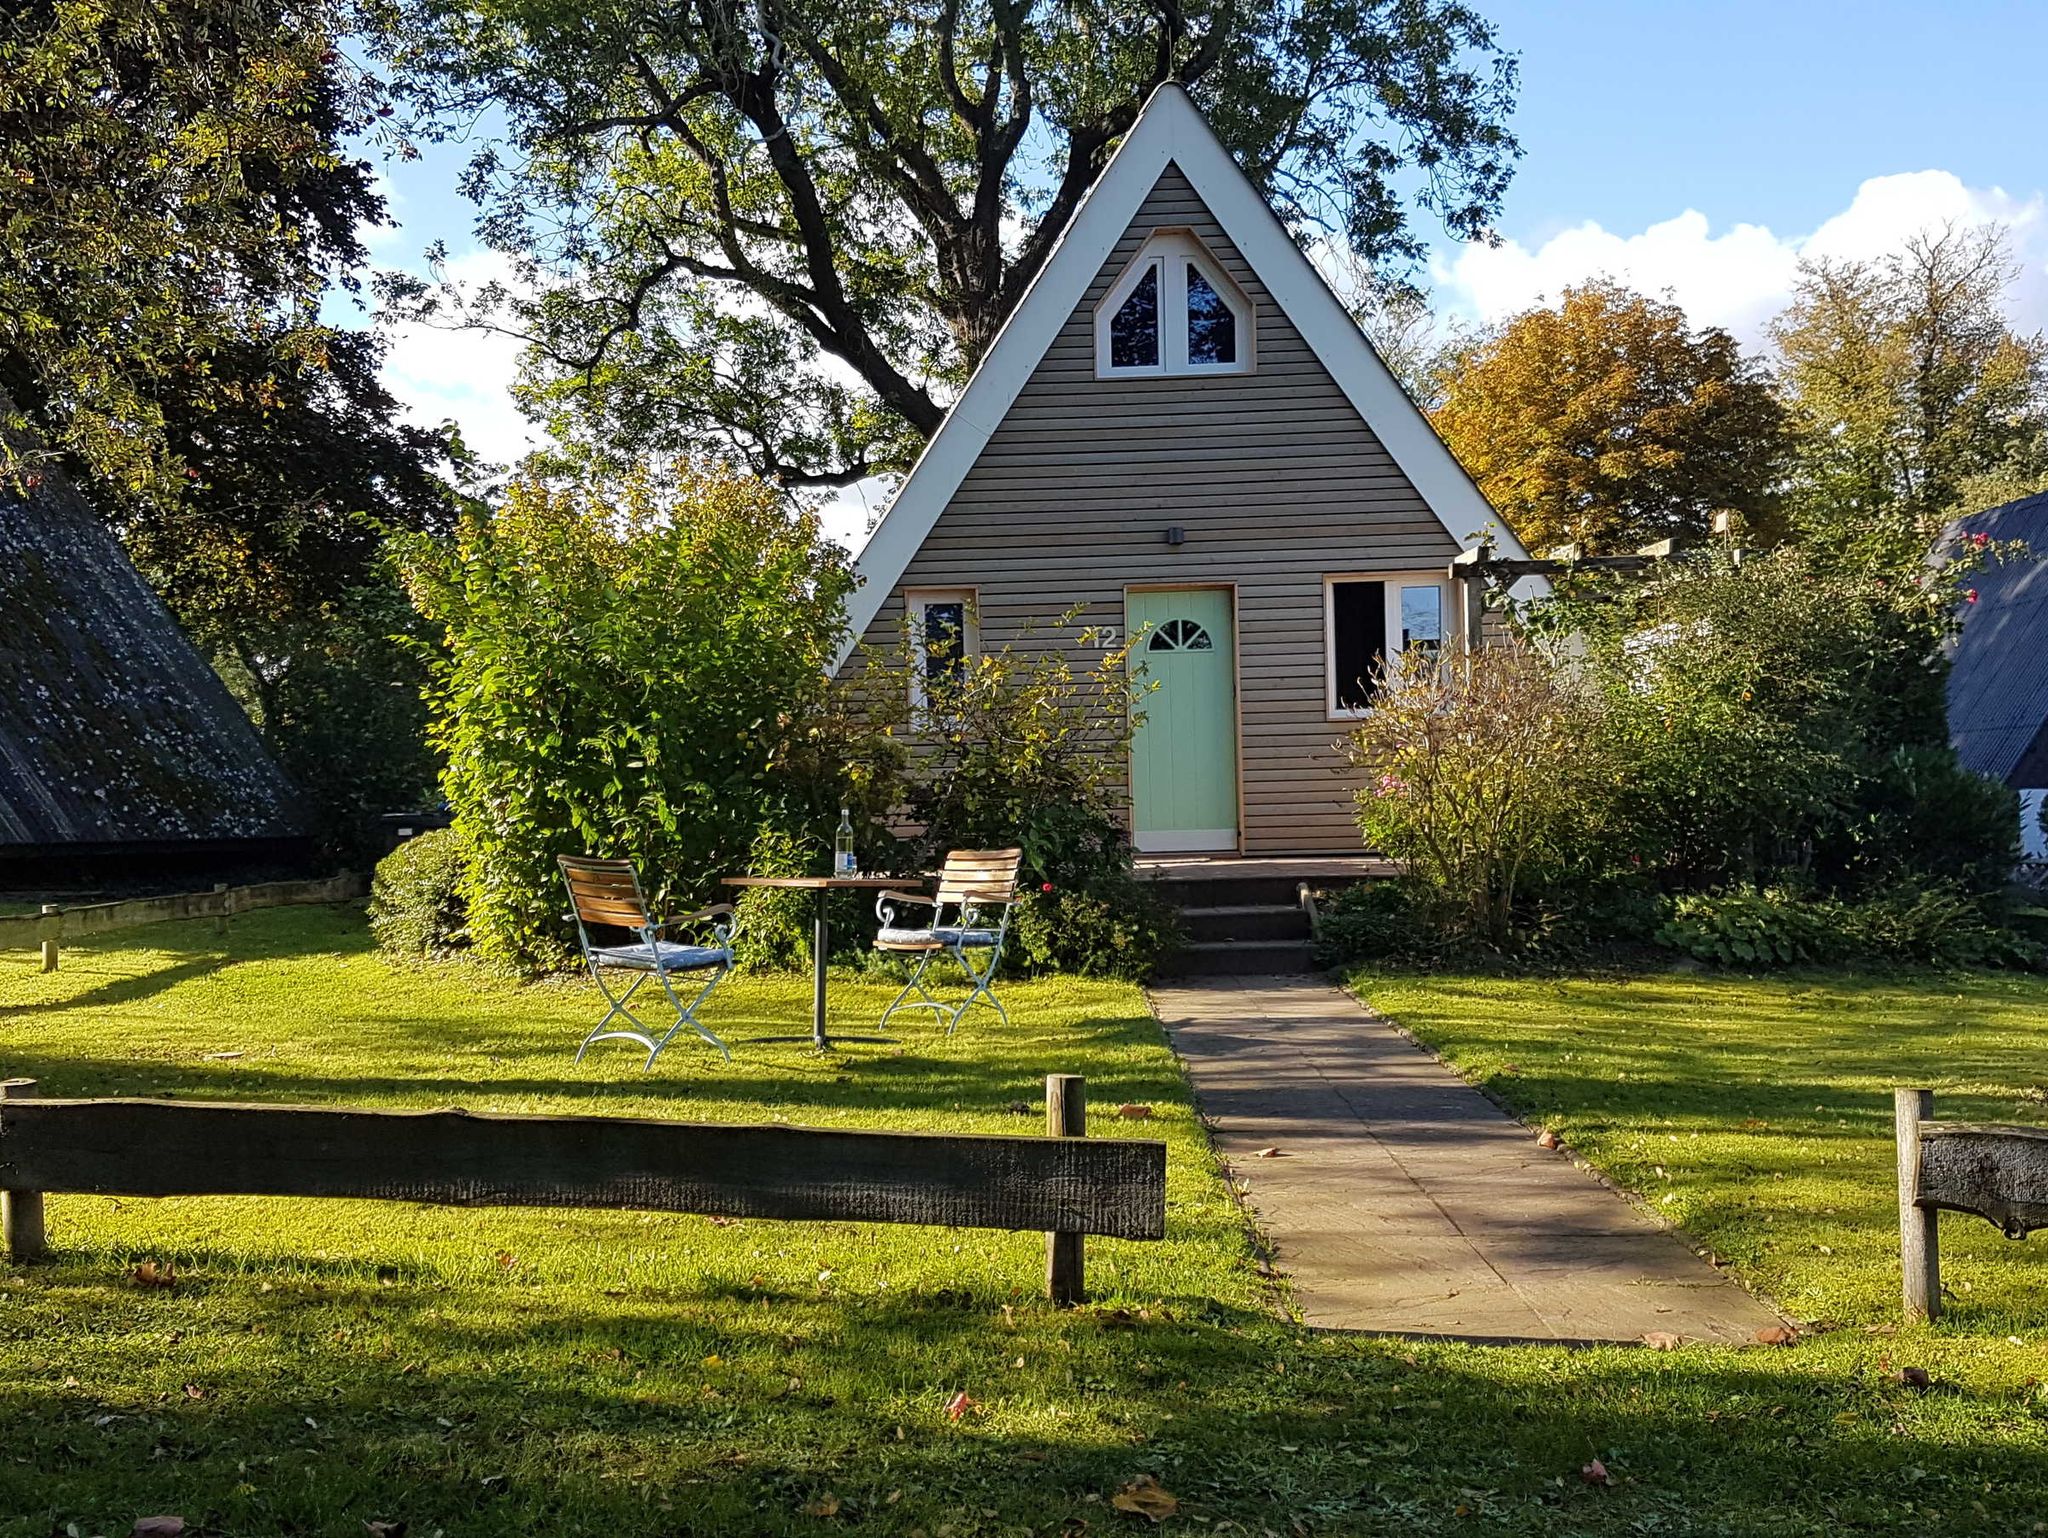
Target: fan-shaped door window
{"points": [[1173, 310], [1180, 635]]}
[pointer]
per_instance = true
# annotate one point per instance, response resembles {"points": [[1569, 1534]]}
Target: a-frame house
{"points": [[1182, 428]]}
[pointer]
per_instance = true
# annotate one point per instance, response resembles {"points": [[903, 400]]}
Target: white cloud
{"points": [[463, 375], [1741, 276]]}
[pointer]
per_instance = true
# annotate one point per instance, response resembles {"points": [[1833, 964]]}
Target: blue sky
{"points": [[1698, 149]]}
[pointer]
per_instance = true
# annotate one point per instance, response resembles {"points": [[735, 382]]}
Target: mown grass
{"points": [[318, 1366]]}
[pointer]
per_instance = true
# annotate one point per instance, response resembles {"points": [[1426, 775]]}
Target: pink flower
{"points": [[1980, 540], [1970, 596], [1392, 784], [1045, 886]]}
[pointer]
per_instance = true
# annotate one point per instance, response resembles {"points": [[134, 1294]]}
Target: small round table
{"points": [[821, 930]]}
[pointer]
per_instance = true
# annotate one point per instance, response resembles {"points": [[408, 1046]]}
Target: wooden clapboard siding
{"points": [[1275, 478]]}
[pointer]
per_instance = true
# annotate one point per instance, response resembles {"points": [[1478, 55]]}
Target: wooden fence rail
{"points": [[56, 924], [1066, 1185], [1996, 1172]]}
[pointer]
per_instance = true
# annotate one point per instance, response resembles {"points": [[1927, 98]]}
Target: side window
{"points": [[1369, 621], [942, 640], [1358, 640], [1212, 324]]}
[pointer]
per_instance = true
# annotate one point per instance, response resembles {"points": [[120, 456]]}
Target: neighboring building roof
{"points": [[1998, 681], [1170, 131], [113, 729]]}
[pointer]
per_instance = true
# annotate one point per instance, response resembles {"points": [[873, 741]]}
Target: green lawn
{"points": [[323, 1365]]}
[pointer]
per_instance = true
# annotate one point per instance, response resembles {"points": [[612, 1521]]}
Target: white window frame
{"points": [[1391, 582], [1170, 253], [915, 602]]}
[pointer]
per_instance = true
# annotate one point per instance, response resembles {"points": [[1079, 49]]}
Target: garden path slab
{"points": [[1403, 1201]]}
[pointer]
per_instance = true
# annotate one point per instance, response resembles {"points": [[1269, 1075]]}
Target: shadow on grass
{"points": [[736, 1409]]}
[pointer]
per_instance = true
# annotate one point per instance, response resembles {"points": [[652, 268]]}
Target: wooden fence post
{"points": [[1066, 1115], [50, 932], [21, 1212], [1919, 1243], [220, 922]]}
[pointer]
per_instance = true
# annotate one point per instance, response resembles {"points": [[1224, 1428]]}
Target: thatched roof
{"points": [[113, 729]]}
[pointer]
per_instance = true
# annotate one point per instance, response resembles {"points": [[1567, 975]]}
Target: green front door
{"points": [[1184, 758]]}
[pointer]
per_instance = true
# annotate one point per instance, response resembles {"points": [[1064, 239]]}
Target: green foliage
{"points": [[1025, 745], [1487, 776], [1918, 922], [1748, 699], [1919, 811], [795, 228], [174, 190], [1375, 921], [1908, 388], [630, 665], [417, 910]]}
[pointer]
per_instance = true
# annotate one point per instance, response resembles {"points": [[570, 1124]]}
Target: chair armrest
{"points": [[908, 897], [716, 910]]}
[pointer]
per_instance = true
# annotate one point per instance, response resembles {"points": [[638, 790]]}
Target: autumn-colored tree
{"points": [[1907, 384], [1610, 422]]}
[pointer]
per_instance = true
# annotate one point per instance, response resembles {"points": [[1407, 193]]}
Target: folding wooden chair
{"points": [[980, 886], [606, 893]]}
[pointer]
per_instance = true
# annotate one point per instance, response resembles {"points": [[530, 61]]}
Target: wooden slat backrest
{"points": [[979, 875], [605, 891]]}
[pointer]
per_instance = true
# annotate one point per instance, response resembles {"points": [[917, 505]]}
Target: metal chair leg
{"points": [[979, 989], [924, 999], [686, 1014]]}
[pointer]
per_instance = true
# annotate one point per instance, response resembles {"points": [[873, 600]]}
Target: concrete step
{"points": [[1245, 921], [1189, 894], [1239, 958]]}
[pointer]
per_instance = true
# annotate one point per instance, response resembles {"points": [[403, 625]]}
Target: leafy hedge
{"points": [[417, 910]]}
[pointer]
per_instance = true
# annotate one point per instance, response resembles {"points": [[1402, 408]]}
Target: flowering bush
{"points": [[1486, 778]]}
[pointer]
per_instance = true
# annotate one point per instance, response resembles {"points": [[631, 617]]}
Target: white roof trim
{"points": [[1170, 131]]}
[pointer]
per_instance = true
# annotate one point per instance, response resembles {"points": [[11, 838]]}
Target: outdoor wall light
{"points": [[1176, 535]]}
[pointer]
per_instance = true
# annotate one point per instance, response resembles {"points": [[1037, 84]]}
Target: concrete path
{"points": [[1401, 1200]]}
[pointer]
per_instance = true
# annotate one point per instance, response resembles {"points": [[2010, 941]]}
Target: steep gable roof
{"points": [[1997, 683], [1170, 131], [113, 729]]}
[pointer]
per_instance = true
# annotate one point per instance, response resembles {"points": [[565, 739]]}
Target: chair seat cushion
{"points": [[667, 955], [932, 939]]}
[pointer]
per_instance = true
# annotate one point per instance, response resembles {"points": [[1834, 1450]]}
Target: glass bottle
{"points": [[842, 845]]}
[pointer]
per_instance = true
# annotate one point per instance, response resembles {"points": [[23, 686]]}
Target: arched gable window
{"points": [[1173, 310]]}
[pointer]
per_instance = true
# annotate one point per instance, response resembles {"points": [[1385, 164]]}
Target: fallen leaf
{"points": [[1144, 1496], [959, 1405], [150, 1274], [507, 1260], [1269, 1153], [1548, 1139], [826, 1505], [1663, 1340], [1595, 1473], [157, 1527], [1916, 1378], [1135, 1112], [1776, 1335], [194, 1391], [385, 1529]]}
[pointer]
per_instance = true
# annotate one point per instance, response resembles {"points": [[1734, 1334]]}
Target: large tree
{"points": [[1610, 422], [792, 226], [1906, 382], [172, 181]]}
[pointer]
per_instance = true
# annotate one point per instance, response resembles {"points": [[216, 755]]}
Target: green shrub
{"points": [[417, 909], [1752, 927], [631, 665], [1921, 813], [1484, 777], [1374, 921], [1024, 747], [1116, 926], [1925, 923]]}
